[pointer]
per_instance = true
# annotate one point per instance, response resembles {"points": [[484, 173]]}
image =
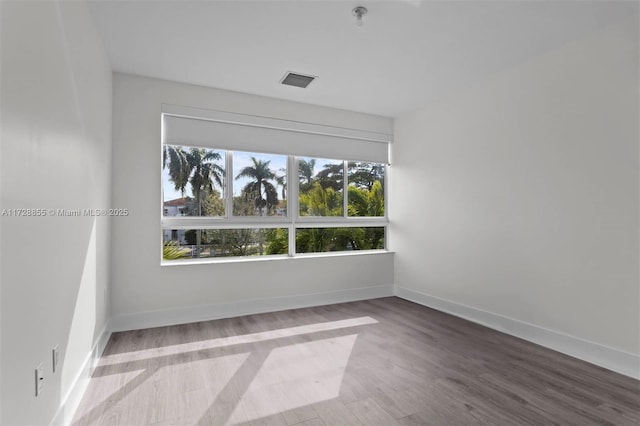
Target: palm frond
{"points": [[171, 250]]}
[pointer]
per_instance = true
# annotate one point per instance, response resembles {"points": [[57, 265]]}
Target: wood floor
{"points": [[378, 362]]}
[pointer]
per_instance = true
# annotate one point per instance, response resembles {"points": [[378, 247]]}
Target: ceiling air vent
{"points": [[298, 80]]}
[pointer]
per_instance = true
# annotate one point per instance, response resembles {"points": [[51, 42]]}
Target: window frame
{"points": [[292, 220]]}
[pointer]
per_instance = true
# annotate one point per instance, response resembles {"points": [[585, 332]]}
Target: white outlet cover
{"points": [[55, 352], [39, 379]]}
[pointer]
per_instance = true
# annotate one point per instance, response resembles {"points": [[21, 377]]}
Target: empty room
{"points": [[322, 212]]}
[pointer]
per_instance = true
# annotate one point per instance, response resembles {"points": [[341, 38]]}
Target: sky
{"points": [[243, 159]]}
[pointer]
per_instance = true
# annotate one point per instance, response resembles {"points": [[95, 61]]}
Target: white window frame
{"points": [[292, 221]]}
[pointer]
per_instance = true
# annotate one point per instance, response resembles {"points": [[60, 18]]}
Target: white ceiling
{"points": [[408, 53]]}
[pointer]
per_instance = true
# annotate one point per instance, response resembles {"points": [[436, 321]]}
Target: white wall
{"points": [[56, 149], [145, 293], [516, 203]]}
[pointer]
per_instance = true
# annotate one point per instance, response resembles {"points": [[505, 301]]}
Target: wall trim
{"points": [[612, 359], [189, 314], [71, 401]]}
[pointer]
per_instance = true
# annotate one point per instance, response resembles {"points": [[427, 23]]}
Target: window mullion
{"points": [[345, 191], [293, 209], [229, 186], [386, 205]]}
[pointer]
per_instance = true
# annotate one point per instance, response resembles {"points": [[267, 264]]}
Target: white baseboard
{"points": [[612, 359], [243, 307], [72, 399]]}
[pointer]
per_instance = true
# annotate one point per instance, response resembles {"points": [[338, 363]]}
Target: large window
{"points": [[225, 197]]}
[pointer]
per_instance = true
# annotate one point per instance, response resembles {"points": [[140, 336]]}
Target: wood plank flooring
{"points": [[377, 362]]}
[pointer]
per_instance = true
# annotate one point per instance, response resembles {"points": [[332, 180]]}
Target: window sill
{"points": [[273, 258]]}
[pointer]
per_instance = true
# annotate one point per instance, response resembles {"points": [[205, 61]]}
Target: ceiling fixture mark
{"points": [[297, 80], [359, 13]]}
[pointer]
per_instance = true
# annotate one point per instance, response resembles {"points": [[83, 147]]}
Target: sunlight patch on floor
{"points": [[183, 399], [295, 376], [101, 390], [234, 340], [177, 393]]}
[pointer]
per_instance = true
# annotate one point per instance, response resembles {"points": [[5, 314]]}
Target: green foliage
{"points": [[277, 241], [363, 202], [364, 175], [171, 250], [331, 176], [321, 202], [374, 238], [317, 240], [243, 242], [190, 236], [244, 205], [365, 199], [314, 240], [350, 239], [213, 204], [231, 242], [305, 173]]}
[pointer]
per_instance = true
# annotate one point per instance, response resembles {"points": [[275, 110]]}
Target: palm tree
{"points": [[331, 176], [204, 172], [363, 175], [305, 171], [197, 167], [260, 189], [281, 180], [175, 158]]}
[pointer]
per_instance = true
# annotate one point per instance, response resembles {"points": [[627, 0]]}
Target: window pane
{"points": [[321, 187], [193, 181], [319, 240], [260, 184], [366, 189], [212, 243]]}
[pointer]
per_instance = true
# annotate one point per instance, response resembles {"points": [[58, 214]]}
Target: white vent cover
{"points": [[297, 80]]}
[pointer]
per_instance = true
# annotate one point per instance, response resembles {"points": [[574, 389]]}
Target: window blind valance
{"points": [[260, 134]]}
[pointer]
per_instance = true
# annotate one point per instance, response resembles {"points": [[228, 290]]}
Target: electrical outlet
{"points": [[55, 352], [39, 379]]}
